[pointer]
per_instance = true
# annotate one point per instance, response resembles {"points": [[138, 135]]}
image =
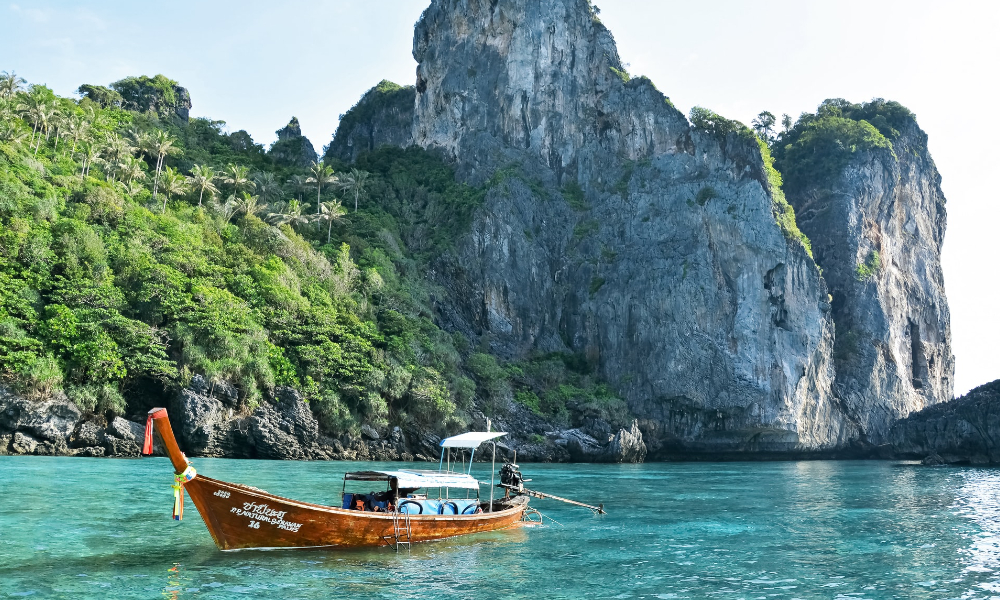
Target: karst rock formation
{"points": [[616, 229]]}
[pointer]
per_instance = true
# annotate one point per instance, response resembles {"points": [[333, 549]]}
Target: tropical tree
{"points": [[10, 84], [7, 107], [160, 145], [239, 178], [354, 183], [299, 184], [90, 151], [41, 113], [143, 141], [764, 125], [130, 169], [322, 174], [202, 179], [116, 156], [330, 212], [786, 123], [58, 120], [77, 127], [248, 205], [226, 209], [292, 215], [11, 133], [173, 183], [135, 186], [268, 187]]}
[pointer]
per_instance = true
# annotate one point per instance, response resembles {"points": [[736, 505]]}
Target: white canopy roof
{"points": [[471, 439], [418, 479]]}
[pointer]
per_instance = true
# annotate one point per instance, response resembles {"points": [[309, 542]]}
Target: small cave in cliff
{"points": [[776, 294], [918, 362]]}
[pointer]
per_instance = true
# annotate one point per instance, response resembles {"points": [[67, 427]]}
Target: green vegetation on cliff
{"points": [[722, 129], [816, 149], [139, 248]]}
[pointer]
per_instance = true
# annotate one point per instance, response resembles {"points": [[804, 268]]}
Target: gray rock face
{"points": [[206, 427], [52, 420], [23, 444], [88, 434], [283, 429], [292, 148], [624, 447], [627, 446], [893, 352], [622, 233], [286, 429], [383, 117], [963, 430]]}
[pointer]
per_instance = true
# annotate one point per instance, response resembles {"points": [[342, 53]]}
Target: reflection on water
{"points": [[99, 528]]}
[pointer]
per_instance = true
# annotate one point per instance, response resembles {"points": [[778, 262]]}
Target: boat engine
{"points": [[511, 478]]}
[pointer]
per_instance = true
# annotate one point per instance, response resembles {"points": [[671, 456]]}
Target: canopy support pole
{"points": [[493, 471]]}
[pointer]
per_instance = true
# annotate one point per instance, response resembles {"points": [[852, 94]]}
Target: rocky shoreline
{"points": [[963, 431], [207, 423]]}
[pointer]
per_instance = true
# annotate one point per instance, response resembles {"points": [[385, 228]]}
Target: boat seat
{"points": [[461, 506]]}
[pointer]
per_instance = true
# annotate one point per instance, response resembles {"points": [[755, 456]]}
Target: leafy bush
{"points": [[870, 268], [574, 196], [818, 148], [705, 194]]}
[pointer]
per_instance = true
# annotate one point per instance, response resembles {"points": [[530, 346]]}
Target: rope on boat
{"points": [[178, 487]]}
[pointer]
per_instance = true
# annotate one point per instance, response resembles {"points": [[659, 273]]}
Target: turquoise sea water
{"points": [[100, 528]]}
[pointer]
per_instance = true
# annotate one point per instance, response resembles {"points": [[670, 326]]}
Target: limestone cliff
{"points": [[616, 229], [292, 149], [383, 116], [662, 250], [966, 429], [877, 225]]}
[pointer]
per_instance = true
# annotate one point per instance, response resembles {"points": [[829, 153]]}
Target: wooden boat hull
{"points": [[240, 517]]}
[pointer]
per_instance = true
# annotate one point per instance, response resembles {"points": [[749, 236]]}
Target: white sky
{"points": [[255, 63]]}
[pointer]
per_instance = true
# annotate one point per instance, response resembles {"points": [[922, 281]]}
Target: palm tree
{"points": [[173, 183], [160, 145], [267, 187], [77, 127], [249, 205], [90, 151], [57, 123], [354, 182], [292, 215], [298, 183], [238, 177], [7, 109], [201, 179], [11, 133], [227, 209], [330, 212], [134, 187], [321, 175], [143, 141], [40, 113], [116, 155], [10, 84], [130, 169]]}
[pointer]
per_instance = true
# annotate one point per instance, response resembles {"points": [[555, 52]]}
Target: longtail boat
{"points": [[241, 516]]}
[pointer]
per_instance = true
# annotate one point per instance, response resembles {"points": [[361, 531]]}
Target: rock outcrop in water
{"points": [[615, 228], [966, 429], [877, 227], [622, 232]]}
